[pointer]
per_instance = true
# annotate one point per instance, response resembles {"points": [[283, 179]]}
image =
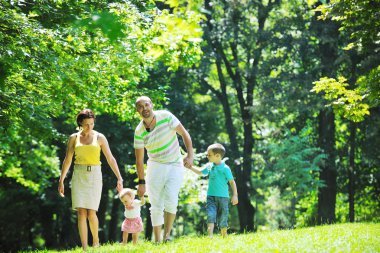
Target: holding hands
{"points": [[119, 185]]}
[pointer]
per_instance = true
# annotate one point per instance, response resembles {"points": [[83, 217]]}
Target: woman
{"points": [[87, 176]]}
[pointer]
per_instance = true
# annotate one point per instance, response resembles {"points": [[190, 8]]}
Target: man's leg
{"points": [[171, 192], [168, 224], [154, 186], [157, 233]]}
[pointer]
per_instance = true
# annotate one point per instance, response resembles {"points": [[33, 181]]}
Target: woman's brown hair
{"points": [[84, 114]]}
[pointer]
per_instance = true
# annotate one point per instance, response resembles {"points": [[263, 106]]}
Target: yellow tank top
{"points": [[87, 154]]}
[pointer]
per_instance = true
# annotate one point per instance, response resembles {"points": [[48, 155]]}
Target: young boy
{"points": [[217, 194]]}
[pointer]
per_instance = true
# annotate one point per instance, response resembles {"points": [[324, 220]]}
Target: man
{"points": [[157, 133]]}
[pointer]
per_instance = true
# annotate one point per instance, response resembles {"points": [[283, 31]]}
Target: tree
{"points": [[358, 23], [58, 57]]}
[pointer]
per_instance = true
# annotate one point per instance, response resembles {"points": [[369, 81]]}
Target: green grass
{"points": [[357, 237]]}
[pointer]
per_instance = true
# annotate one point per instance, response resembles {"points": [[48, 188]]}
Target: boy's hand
{"points": [[234, 200]]}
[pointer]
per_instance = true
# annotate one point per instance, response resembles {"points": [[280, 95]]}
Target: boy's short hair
{"points": [[217, 148], [126, 191]]}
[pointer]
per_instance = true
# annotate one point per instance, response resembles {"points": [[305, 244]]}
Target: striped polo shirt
{"points": [[161, 143]]}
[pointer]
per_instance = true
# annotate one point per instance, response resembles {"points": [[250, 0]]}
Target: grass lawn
{"points": [[357, 237]]}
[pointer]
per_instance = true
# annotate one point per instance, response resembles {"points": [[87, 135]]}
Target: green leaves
{"points": [[53, 66], [107, 22], [348, 103]]}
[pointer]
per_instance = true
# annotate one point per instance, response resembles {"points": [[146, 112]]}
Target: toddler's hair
{"points": [[217, 148], [126, 191]]}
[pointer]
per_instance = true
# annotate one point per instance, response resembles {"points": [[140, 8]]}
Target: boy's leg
{"points": [[223, 215], [223, 232], [125, 237], [135, 237], [211, 214], [210, 229]]}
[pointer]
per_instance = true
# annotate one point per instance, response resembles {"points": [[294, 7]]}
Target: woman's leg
{"points": [[82, 226], [94, 226]]}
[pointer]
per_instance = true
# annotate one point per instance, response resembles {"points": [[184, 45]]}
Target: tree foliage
{"points": [[58, 57], [360, 23], [348, 103], [88, 55]]}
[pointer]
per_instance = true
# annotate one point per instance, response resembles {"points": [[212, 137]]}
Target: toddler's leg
{"points": [[135, 237], [125, 237]]}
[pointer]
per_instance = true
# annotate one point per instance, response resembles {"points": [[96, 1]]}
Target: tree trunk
{"points": [[245, 208], [114, 233], [327, 194], [101, 217], [328, 34], [148, 226], [351, 172]]}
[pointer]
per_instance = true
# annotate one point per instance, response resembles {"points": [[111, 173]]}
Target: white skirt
{"points": [[86, 187]]}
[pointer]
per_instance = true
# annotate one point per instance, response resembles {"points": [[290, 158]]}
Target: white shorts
{"points": [[163, 182]]}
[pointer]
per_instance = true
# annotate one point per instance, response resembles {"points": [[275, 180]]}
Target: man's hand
{"points": [[188, 161], [141, 190]]}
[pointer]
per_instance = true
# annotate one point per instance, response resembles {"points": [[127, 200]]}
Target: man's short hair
{"points": [[142, 98]]}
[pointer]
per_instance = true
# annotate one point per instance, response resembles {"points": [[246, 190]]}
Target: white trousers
{"points": [[163, 182]]}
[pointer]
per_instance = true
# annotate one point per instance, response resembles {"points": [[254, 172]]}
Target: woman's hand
{"points": [[61, 189], [119, 185]]}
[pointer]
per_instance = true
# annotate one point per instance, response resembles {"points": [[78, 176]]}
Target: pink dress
{"points": [[132, 222]]}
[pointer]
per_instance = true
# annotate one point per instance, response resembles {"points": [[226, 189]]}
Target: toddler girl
{"points": [[132, 223]]}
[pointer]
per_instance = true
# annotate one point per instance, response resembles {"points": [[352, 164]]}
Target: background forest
{"points": [[290, 87]]}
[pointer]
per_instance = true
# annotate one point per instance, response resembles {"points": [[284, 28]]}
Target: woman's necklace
{"points": [[150, 123]]}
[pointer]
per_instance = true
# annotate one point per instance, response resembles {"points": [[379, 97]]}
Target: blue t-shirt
{"points": [[219, 175]]}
